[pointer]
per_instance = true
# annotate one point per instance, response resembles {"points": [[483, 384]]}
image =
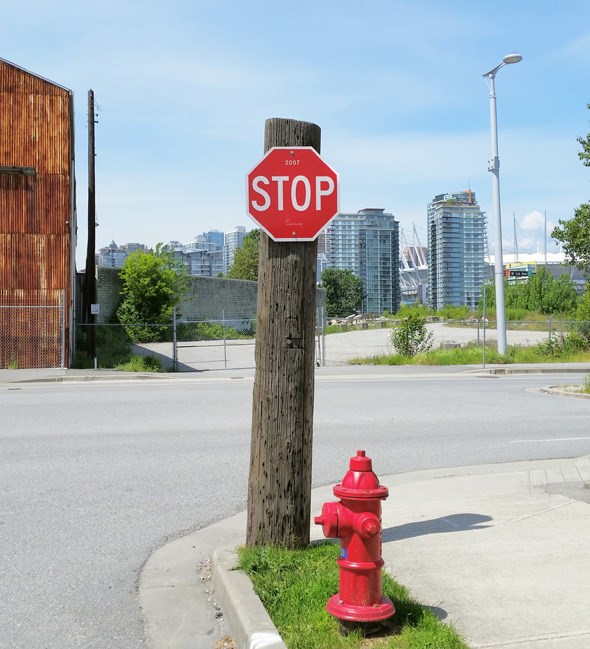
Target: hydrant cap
{"points": [[361, 462], [360, 482]]}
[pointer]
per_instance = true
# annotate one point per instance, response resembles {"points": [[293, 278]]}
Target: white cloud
{"points": [[535, 222]]}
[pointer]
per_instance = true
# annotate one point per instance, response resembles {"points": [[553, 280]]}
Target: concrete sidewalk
{"points": [[62, 375], [501, 552]]}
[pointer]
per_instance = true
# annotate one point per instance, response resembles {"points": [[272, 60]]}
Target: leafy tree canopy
{"points": [[541, 293], [245, 264], [154, 283], [584, 155], [575, 232], [344, 292], [575, 236]]}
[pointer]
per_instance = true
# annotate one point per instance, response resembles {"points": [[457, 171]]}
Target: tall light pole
{"points": [[494, 167]]}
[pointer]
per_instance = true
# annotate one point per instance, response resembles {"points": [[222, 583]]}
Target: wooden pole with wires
{"points": [[90, 271]]}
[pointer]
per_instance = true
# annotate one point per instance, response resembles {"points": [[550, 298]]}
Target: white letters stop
{"points": [[322, 186]]}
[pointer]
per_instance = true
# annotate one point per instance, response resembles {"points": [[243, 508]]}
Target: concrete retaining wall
{"points": [[209, 298]]}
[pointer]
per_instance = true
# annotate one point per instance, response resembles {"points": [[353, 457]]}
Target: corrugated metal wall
{"points": [[37, 214]]}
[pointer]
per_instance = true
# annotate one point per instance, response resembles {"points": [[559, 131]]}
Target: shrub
{"points": [[407, 310], [454, 312], [139, 363], [516, 314], [410, 337]]}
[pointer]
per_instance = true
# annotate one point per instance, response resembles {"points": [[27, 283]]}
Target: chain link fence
{"points": [[183, 345], [32, 336], [225, 343]]}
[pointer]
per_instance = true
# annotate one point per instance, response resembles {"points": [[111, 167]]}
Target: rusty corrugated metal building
{"points": [[37, 220]]}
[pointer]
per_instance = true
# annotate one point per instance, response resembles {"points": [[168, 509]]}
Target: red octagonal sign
{"points": [[292, 193]]}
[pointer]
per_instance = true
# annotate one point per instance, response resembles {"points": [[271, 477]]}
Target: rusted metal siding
{"points": [[37, 206]]}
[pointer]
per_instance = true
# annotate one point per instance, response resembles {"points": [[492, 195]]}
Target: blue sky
{"points": [[184, 89]]}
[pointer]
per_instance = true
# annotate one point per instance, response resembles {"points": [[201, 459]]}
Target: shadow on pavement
{"points": [[443, 525]]}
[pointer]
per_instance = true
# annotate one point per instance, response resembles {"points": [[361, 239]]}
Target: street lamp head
{"points": [[507, 60], [512, 58]]}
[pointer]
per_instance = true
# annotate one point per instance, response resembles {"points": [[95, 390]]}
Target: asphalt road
{"points": [[95, 476]]}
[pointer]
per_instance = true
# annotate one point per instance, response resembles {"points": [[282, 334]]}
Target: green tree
{"points": [[575, 236], [344, 292], [584, 155], [411, 337], [245, 264], [575, 232], [541, 293], [561, 296], [153, 284], [582, 327]]}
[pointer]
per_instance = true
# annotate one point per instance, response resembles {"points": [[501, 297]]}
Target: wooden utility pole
{"points": [[279, 487], [90, 271]]}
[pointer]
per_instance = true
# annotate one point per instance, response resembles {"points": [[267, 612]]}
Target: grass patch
{"points": [[295, 585], [139, 363], [113, 347], [472, 355]]}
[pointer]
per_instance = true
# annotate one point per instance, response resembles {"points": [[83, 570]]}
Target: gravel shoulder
{"points": [[342, 347]]}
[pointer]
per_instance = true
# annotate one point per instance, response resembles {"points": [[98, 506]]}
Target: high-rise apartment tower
{"points": [[456, 248], [368, 244]]}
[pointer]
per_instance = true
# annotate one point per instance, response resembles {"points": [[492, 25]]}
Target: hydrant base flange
{"points": [[355, 613]]}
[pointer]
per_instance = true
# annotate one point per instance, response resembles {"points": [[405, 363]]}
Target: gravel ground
{"points": [[339, 348]]}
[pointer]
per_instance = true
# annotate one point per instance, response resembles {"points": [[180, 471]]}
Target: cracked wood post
{"points": [[279, 486]]}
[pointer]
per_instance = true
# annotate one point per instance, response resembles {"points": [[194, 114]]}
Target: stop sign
{"points": [[292, 193]]}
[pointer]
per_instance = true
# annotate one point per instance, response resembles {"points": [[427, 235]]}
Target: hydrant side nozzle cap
{"points": [[361, 462]]}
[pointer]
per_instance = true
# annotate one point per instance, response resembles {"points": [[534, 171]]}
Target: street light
{"points": [[494, 167]]}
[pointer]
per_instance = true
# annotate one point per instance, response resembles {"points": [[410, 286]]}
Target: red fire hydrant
{"points": [[356, 521]]}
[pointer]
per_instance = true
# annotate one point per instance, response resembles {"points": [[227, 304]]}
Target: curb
{"points": [[87, 378], [564, 392], [534, 370], [246, 616]]}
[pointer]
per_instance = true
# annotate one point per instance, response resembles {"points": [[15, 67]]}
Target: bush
{"points": [[513, 314], [564, 345], [454, 312], [410, 337], [418, 309], [139, 363]]}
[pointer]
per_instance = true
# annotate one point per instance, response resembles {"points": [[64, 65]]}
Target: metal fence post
{"points": [[323, 335], [174, 342], [63, 329], [484, 328], [224, 342]]}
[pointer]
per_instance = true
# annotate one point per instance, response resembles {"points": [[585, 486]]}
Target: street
{"points": [[95, 476]]}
